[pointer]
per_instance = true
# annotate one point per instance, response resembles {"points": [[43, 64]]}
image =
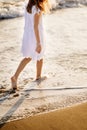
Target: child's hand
{"points": [[38, 48]]}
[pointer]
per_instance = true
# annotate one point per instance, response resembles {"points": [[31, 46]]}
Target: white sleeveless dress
{"points": [[29, 38]]}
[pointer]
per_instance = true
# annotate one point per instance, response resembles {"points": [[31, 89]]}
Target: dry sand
{"points": [[73, 118], [65, 63]]}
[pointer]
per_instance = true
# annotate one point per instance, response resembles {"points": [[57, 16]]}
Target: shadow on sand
{"points": [[10, 112]]}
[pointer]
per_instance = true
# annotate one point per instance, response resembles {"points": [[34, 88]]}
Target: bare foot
{"points": [[38, 78], [41, 78], [14, 83]]}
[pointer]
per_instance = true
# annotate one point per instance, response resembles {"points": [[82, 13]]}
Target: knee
{"points": [[27, 59], [38, 61]]}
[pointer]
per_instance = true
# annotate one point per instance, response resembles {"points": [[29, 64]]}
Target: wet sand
{"points": [[73, 118], [65, 62]]}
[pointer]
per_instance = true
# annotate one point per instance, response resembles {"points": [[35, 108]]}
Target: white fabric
{"points": [[29, 38]]}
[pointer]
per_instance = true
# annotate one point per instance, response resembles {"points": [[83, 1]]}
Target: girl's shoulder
{"points": [[35, 10]]}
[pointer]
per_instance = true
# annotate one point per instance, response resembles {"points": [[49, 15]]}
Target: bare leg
{"points": [[39, 68], [21, 66]]}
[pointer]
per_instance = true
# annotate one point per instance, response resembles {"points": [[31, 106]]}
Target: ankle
{"points": [[38, 77], [14, 78]]}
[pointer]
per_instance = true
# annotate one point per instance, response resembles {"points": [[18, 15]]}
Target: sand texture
{"points": [[73, 118], [65, 62]]}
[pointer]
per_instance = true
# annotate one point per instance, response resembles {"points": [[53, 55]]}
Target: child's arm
{"points": [[36, 30]]}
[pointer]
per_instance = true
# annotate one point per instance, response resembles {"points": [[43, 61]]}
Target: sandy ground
{"points": [[73, 118], [65, 62]]}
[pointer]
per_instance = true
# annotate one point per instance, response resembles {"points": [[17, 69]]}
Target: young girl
{"points": [[33, 38]]}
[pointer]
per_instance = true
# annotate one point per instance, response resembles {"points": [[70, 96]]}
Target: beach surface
{"points": [[73, 118], [65, 64]]}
